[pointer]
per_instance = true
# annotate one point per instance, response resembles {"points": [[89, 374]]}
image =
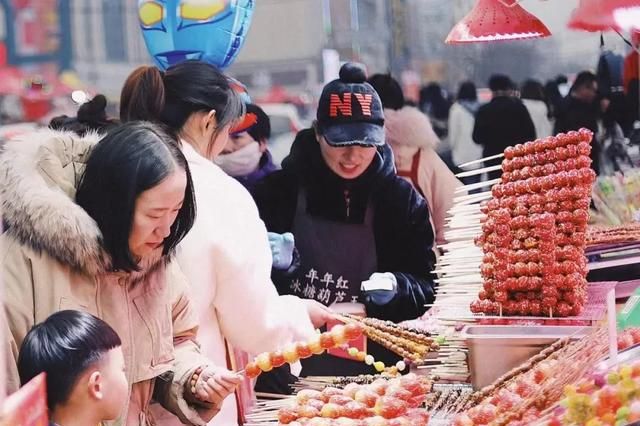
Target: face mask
{"points": [[241, 162]]}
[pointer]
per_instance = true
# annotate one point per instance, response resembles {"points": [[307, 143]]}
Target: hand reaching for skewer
{"points": [[212, 385]]}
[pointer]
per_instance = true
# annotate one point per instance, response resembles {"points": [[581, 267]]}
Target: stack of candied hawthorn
{"points": [[534, 236]]}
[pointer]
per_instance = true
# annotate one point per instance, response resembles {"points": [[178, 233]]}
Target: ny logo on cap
{"points": [[343, 106]]}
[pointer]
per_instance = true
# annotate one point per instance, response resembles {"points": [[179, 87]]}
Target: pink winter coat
{"points": [[410, 135]]}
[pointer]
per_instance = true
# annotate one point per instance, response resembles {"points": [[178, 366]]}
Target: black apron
{"points": [[335, 258]]}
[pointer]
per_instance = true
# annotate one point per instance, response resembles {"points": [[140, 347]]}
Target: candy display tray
{"points": [[495, 350]]}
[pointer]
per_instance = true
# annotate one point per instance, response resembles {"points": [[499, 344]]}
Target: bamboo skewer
{"points": [[457, 245], [454, 264], [465, 278], [457, 272], [476, 172], [473, 197], [458, 209], [483, 196], [477, 185], [475, 217], [466, 252], [461, 234], [482, 160]]}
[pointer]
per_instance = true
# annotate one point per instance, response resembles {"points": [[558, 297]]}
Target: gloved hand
{"points": [[380, 288], [282, 246]]}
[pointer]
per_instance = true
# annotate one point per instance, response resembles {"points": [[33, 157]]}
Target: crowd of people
{"points": [[145, 255], [516, 114]]}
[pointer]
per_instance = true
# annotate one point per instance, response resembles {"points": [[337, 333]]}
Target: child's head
{"points": [[82, 357]]}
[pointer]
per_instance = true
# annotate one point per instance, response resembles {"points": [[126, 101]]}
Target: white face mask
{"points": [[241, 162]]}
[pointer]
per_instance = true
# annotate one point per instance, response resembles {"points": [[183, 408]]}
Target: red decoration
{"points": [[492, 20], [248, 121], [604, 15], [27, 406]]}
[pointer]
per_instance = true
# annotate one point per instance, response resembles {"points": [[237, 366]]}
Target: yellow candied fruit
{"points": [[379, 366], [570, 390], [626, 371]]}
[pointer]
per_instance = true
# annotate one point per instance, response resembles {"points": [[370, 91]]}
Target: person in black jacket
{"points": [[361, 232], [581, 109], [503, 122]]}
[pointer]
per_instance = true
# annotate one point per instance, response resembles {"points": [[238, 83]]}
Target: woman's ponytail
{"points": [[143, 95]]}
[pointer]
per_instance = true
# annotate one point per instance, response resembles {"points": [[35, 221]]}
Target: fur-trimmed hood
{"points": [[38, 182], [409, 127]]}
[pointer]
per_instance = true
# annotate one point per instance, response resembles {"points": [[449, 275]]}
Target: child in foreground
{"points": [[84, 365]]}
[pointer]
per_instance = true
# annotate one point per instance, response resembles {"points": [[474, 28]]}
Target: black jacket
{"points": [[403, 234], [501, 123], [575, 114]]}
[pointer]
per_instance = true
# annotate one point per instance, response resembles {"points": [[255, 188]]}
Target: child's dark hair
{"points": [[64, 346], [262, 129], [91, 117]]}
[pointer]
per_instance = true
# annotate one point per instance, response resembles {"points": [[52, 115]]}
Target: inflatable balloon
{"points": [[212, 31]]}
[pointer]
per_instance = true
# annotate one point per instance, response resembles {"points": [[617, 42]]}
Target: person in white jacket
{"points": [[462, 118], [533, 97], [226, 256]]}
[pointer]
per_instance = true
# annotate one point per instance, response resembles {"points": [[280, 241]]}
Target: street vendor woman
{"points": [[362, 233], [93, 227]]}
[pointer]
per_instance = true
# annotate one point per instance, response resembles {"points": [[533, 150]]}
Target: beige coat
{"points": [[412, 138], [53, 260]]}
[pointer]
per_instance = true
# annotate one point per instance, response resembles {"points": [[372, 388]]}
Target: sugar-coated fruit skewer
{"points": [[294, 352]]}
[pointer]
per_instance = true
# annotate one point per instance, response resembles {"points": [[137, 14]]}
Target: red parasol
{"points": [[491, 20], [603, 15]]}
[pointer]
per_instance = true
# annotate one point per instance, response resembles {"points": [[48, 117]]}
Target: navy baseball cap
{"points": [[350, 110]]}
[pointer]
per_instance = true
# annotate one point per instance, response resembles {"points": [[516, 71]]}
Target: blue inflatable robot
{"points": [[212, 31]]}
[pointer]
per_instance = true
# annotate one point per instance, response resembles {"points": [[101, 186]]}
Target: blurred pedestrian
{"points": [[435, 105], [462, 118], [533, 97], [246, 156], [581, 108], [503, 122], [413, 141], [553, 97]]}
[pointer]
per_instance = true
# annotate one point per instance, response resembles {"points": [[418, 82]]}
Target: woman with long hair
{"points": [[226, 256]]}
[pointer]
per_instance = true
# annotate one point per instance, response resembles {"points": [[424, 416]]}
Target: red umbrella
{"points": [[491, 20], [604, 15]]}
